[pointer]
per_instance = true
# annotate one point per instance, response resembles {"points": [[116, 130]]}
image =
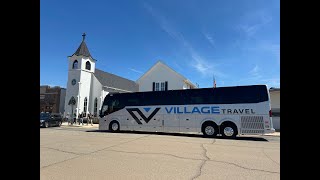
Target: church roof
{"points": [[83, 49], [111, 80]]}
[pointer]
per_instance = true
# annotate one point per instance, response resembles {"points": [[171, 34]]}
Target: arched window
{"points": [[72, 101], [88, 65], [85, 105], [95, 110], [75, 65]]}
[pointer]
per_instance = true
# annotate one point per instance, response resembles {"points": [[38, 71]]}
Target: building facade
{"points": [[275, 107], [161, 77], [52, 99], [87, 86]]}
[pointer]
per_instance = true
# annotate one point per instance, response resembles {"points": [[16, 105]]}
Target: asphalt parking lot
{"points": [[82, 152]]}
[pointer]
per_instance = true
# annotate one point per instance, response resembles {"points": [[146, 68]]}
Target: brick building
{"points": [[52, 99]]}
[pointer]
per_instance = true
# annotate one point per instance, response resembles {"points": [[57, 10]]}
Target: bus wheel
{"points": [[114, 126], [210, 129], [229, 130]]}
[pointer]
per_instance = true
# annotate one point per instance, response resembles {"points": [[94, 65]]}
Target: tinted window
{"points": [[44, 115], [221, 95], [241, 94], [199, 96]]}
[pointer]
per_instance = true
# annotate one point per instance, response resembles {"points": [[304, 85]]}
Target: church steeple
{"points": [[83, 49]]}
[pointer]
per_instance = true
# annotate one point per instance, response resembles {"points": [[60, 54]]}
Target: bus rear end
{"points": [[260, 123]]}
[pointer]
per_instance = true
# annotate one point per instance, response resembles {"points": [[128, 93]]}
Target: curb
{"points": [[80, 126], [277, 134]]}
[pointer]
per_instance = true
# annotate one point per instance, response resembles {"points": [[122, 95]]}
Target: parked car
{"points": [[50, 119]]}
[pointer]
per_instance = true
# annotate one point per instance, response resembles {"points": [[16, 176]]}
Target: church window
{"points": [[95, 110], [88, 65], [75, 65], [85, 105]]}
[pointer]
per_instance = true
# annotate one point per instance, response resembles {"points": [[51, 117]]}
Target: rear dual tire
{"points": [[229, 131], [210, 130]]}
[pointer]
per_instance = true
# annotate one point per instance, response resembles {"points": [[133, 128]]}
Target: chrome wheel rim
{"points": [[209, 130], [115, 126], [228, 131]]}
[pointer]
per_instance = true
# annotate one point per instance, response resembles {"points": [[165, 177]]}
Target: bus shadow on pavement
{"points": [[243, 138]]}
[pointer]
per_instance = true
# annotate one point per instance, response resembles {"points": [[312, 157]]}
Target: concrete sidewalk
{"points": [[273, 134], [95, 126]]}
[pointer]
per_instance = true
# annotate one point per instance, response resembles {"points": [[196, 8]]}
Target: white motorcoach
{"points": [[229, 111]]}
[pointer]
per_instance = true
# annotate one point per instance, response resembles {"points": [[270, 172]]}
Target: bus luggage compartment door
{"points": [[187, 122]]}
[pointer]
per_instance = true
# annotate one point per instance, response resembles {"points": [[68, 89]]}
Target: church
{"points": [[87, 86]]}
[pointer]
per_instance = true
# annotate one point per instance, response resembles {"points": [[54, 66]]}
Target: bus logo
{"points": [[146, 119]]}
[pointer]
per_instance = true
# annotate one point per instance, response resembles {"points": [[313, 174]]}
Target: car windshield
{"points": [[44, 115]]}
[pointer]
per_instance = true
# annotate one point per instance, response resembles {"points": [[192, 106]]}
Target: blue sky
{"points": [[236, 41]]}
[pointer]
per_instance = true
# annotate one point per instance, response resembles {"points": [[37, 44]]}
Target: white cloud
{"points": [[255, 72], [199, 63], [249, 30], [177, 66], [209, 38], [253, 21], [134, 70]]}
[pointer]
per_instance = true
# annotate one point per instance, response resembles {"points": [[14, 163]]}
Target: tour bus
{"points": [[224, 111]]}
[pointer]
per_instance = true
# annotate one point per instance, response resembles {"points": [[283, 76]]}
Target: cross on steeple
{"points": [[83, 36]]}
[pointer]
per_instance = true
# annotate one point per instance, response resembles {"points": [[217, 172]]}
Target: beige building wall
{"points": [[275, 107]]}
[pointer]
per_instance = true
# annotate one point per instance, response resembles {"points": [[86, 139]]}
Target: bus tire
{"points": [[228, 130], [114, 126], [210, 129]]}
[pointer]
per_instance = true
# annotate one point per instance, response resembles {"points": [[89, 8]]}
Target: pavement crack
{"points": [[213, 141], [269, 157], [84, 154], [62, 150], [234, 164], [131, 152], [118, 144], [204, 154], [58, 162], [252, 169]]}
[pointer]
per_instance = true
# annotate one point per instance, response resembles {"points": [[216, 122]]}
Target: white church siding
{"points": [[96, 89], [85, 85], [72, 90], [161, 73], [83, 65]]}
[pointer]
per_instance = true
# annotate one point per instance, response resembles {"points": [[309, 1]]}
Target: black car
{"points": [[50, 119]]}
